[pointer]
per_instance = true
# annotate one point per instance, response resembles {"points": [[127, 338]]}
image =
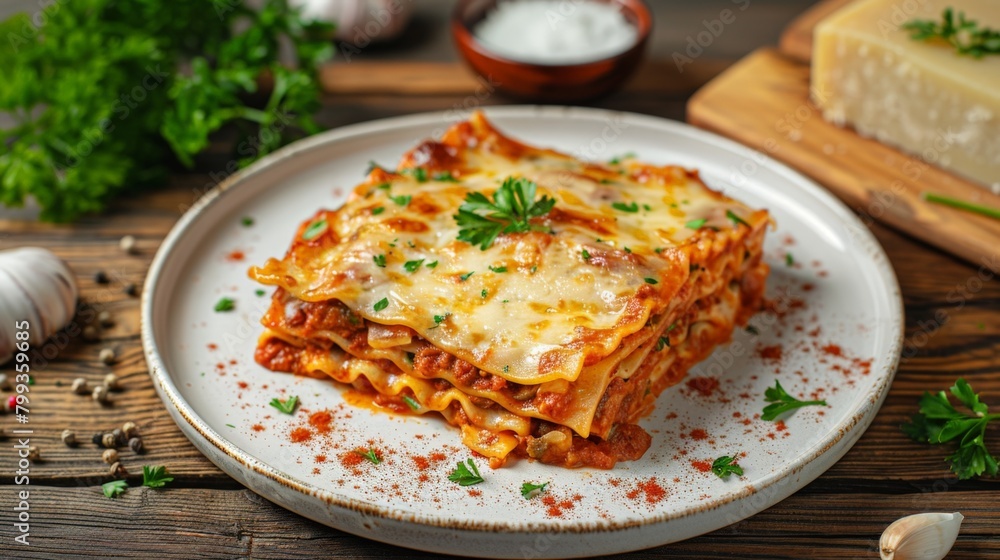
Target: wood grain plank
{"points": [[414, 78], [797, 39], [240, 524], [763, 101]]}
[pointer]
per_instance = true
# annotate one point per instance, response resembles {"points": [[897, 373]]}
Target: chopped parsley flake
{"points": [[529, 490], [314, 230], [247, 221], [647, 207], [752, 330], [445, 176], [651, 280], [466, 476], [485, 293], [412, 266], [695, 224], [789, 259], [725, 466], [658, 250], [410, 402], [627, 250], [618, 159], [663, 342], [371, 455], [498, 269], [381, 304], [585, 254], [287, 406], [384, 186], [379, 260], [378, 210], [260, 293], [736, 219], [401, 200], [467, 275], [432, 264], [630, 208], [225, 304], [418, 173]]}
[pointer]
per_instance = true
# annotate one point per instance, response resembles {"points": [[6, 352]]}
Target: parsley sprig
{"points": [[939, 422], [114, 488], [466, 476], [155, 477], [965, 35], [371, 455], [725, 466], [782, 402], [511, 210]]}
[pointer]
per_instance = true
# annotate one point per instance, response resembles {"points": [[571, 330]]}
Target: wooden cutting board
{"points": [[763, 102]]}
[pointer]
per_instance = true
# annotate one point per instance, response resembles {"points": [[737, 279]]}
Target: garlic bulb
{"points": [[925, 536], [360, 21], [37, 287]]}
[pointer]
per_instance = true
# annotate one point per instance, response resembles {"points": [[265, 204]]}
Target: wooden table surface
{"points": [[952, 330]]}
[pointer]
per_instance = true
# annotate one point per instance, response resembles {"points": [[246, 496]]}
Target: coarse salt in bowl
{"points": [[552, 50]]}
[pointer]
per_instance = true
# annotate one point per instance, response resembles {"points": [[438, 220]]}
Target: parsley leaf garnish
{"points": [[412, 266], [155, 477], [287, 406], [617, 159], [695, 224], [260, 293], [651, 280], [314, 229], [663, 342], [378, 210], [379, 260], [939, 422], [789, 259], [530, 490], [725, 466], [401, 200], [467, 275], [498, 269], [630, 208], [432, 264], [381, 304], [965, 35], [247, 221], [466, 476], [585, 254], [114, 488], [438, 319], [370, 454], [511, 210], [782, 402], [736, 219], [225, 304]]}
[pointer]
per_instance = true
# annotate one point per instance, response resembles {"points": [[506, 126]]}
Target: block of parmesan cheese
{"points": [[924, 98]]}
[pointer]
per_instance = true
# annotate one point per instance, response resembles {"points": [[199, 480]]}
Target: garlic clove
{"points": [[37, 287], [924, 536]]}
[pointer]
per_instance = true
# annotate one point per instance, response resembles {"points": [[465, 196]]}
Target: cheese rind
{"points": [[925, 98]]}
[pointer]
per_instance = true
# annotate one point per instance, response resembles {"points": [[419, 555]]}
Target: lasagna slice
{"points": [[537, 302]]}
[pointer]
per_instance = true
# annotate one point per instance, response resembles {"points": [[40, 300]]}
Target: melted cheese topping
{"points": [[534, 307]]}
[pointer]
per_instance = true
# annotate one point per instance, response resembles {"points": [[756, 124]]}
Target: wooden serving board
{"points": [[763, 102]]}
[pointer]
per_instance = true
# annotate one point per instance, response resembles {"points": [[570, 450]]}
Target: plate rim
{"points": [[851, 428]]}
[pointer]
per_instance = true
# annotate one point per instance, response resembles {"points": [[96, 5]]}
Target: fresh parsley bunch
{"points": [[102, 93], [939, 422]]}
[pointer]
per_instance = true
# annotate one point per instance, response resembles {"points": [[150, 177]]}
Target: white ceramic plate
{"points": [[838, 337]]}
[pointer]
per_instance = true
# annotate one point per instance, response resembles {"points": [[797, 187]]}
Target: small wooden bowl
{"points": [[543, 82]]}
